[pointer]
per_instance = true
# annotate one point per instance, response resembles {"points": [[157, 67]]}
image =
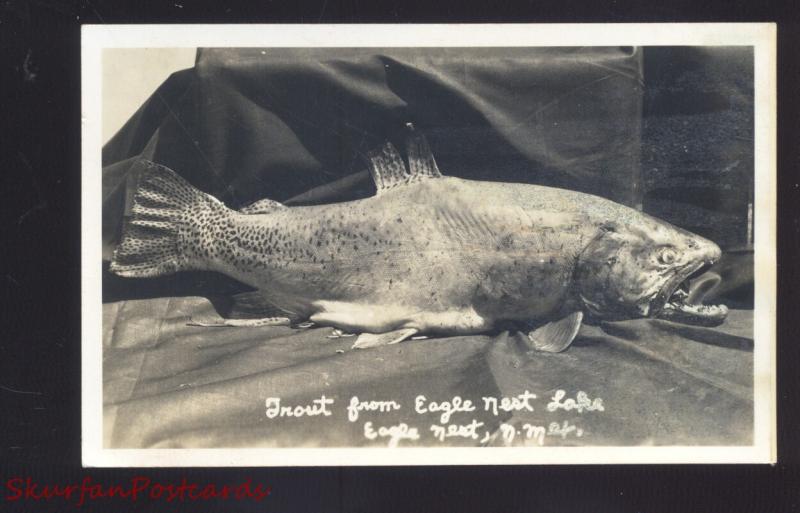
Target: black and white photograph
{"points": [[426, 245]]}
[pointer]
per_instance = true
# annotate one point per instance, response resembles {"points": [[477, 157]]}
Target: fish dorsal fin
{"points": [[556, 336], [263, 206], [420, 157], [388, 169]]}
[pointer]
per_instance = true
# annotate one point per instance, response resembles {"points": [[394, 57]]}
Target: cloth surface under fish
{"points": [[172, 385]]}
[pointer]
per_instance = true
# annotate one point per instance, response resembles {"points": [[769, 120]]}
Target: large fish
{"points": [[427, 254]]}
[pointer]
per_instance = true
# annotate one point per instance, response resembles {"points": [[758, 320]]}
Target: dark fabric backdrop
{"points": [[666, 129]]}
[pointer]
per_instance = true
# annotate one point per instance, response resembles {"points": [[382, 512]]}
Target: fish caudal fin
{"points": [[163, 217]]}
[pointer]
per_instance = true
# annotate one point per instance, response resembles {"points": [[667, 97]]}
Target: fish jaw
{"points": [[673, 301]]}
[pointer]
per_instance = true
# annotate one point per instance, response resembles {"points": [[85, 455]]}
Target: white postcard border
{"points": [[762, 36]]}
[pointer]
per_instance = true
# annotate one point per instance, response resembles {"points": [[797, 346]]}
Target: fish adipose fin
{"points": [[556, 336], [366, 340], [263, 206], [388, 169], [164, 207]]}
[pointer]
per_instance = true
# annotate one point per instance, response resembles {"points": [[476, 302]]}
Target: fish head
{"points": [[642, 268]]}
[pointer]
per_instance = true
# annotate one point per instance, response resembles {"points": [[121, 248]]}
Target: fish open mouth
{"points": [[678, 302]]}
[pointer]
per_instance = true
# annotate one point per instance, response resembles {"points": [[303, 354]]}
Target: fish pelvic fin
{"points": [[163, 217], [388, 169], [366, 340]]}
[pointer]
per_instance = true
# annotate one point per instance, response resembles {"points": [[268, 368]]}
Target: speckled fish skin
{"points": [[412, 257], [439, 254]]}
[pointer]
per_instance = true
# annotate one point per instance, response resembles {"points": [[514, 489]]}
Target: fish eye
{"points": [[667, 256]]}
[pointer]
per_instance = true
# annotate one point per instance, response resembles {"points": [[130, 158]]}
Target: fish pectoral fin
{"points": [[246, 323], [556, 336], [366, 340]]}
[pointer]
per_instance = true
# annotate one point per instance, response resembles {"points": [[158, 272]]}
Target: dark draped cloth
{"points": [[294, 125]]}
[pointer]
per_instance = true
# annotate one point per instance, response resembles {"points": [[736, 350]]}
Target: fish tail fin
{"points": [[163, 218]]}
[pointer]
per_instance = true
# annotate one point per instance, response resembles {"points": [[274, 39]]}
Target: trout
{"points": [[427, 254]]}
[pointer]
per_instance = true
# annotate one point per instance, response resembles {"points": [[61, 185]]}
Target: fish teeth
{"points": [[705, 310], [679, 295]]}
